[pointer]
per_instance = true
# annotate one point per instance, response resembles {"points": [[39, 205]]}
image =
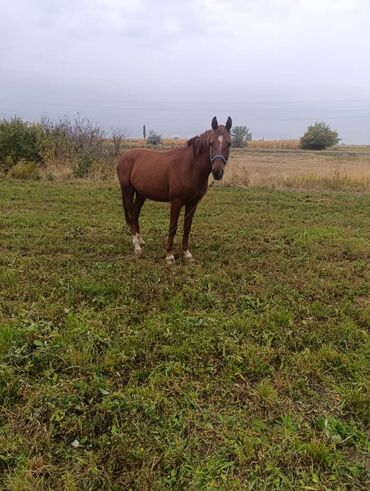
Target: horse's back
{"points": [[148, 171], [144, 157]]}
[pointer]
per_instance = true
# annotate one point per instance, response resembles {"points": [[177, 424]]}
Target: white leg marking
{"points": [[141, 240], [187, 256], [170, 258], [136, 242], [220, 138]]}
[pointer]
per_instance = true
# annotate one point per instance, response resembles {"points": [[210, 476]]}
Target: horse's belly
{"points": [[153, 183], [153, 195]]}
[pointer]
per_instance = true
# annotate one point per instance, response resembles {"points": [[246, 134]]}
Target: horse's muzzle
{"points": [[218, 174]]}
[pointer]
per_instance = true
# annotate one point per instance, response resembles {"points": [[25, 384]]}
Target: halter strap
{"points": [[218, 156]]}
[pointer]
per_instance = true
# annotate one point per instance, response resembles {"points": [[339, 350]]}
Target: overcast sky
{"points": [[273, 65]]}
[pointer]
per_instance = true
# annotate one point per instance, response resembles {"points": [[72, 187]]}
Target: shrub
{"points": [[74, 136], [24, 170], [154, 138], [241, 136], [18, 140], [118, 136], [73, 143], [85, 161], [77, 141], [318, 137], [6, 164]]}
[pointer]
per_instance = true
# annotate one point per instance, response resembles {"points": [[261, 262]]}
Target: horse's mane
{"points": [[199, 143]]}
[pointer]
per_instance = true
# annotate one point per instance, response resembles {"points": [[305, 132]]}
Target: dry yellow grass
{"points": [[297, 169], [58, 170], [166, 142], [275, 144]]}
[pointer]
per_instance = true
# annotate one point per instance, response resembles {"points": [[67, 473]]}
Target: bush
{"points": [[73, 144], [154, 138], [241, 136], [318, 137], [73, 136], [77, 142], [118, 137], [24, 170], [18, 140], [68, 146], [6, 164], [85, 161]]}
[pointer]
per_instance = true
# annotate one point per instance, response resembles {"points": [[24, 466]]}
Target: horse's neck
{"points": [[202, 164]]}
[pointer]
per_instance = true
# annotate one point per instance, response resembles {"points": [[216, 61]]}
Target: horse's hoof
{"points": [[138, 252], [170, 259], [187, 257], [136, 241]]}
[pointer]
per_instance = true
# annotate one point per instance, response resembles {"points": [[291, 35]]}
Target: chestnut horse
{"points": [[179, 176]]}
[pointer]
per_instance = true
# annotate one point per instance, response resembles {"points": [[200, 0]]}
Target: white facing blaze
{"points": [[220, 138]]}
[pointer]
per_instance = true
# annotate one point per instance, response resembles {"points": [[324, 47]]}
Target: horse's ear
{"points": [[214, 123], [228, 124]]}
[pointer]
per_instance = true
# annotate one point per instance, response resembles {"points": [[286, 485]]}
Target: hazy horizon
{"points": [[275, 66]]}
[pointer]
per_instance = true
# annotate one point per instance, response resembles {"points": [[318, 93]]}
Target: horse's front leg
{"points": [[189, 214], [174, 217]]}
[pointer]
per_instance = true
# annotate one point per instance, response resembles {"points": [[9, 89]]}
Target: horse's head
{"points": [[219, 150]]}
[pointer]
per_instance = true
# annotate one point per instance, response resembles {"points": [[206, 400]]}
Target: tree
{"points": [[154, 138], [319, 136], [241, 136]]}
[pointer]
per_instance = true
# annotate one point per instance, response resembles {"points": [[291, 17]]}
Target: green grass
{"points": [[247, 370]]}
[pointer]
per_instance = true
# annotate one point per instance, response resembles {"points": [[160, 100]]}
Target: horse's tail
{"points": [[124, 168], [125, 207]]}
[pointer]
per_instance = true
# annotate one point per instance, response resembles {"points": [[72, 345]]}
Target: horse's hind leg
{"points": [[174, 217], [139, 201], [130, 215]]}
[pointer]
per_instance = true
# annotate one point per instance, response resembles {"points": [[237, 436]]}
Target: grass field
{"points": [[247, 370]]}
